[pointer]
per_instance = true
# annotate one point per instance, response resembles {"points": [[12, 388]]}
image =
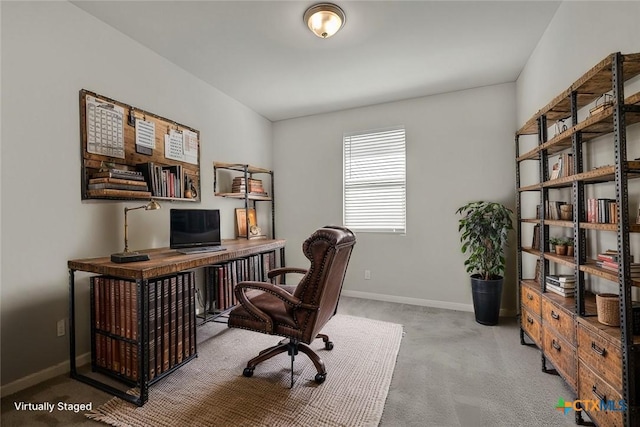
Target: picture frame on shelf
{"points": [[241, 221]]}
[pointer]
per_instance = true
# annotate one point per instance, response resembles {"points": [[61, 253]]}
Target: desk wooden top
{"points": [[165, 261]]}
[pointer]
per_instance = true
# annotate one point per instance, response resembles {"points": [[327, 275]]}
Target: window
{"points": [[375, 180]]}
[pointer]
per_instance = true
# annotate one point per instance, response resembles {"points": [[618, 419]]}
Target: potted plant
{"points": [[569, 242], [557, 245], [484, 229], [560, 245]]}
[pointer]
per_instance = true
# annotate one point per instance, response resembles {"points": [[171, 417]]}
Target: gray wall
{"points": [[459, 149], [51, 50]]}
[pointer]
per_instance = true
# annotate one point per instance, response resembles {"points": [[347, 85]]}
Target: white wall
{"points": [[580, 35], [459, 149], [51, 50]]}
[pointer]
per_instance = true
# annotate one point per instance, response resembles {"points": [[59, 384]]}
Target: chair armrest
{"points": [[285, 270], [274, 290]]}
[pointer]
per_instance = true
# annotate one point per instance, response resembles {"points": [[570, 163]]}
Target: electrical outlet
{"points": [[367, 274], [61, 328]]}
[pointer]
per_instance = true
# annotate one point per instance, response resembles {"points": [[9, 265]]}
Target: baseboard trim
{"points": [[46, 374], [419, 301]]}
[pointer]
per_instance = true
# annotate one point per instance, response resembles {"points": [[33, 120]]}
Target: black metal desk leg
{"points": [[72, 324]]}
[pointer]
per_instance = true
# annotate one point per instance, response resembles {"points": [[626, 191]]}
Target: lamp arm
{"points": [[126, 227]]}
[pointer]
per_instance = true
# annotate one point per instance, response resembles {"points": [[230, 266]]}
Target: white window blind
{"points": [[375, 180]]}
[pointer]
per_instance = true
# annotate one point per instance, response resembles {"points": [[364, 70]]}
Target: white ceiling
{"points": [[262, 54]]}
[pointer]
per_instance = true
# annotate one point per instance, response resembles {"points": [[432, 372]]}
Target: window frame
{"points": [[385, 186]]}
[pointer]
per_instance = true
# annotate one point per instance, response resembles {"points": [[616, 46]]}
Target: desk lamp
{"points": [[126, 255]]}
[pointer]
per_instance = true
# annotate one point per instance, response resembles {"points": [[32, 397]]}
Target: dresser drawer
{"points": [[560, 319], [593, 388], [561, 354], [600, 355], [531, 325], [530, 299]]}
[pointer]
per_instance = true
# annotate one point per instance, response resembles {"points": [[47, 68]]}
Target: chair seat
{"points": [[269, 304]]}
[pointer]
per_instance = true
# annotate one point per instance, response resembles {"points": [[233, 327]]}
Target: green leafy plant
{"points": [[556, 241], [484, 229]]}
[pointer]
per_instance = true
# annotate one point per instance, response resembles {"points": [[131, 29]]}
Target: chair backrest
{"points": [[329, 250]]}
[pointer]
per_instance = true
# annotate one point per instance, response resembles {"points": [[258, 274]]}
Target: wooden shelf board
{"points": [[241, 196], [533, 187], [558, 223], [530, 155], [568, 303], [633, 228], [589, 87], [601, 174], [530, 250], [531, 220], [240, 167], [531, 283], [560, 259], [592, 127], [591, 268]]}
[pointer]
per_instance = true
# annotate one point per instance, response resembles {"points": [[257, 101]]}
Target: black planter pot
{"points": [[487, 295]]}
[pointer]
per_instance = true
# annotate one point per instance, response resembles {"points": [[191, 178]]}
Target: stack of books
{"points": [[609, 260], [562, 284], [117, 182], [255, 186]]}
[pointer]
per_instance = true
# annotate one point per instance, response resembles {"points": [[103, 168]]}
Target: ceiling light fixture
{"points": [[324, 19]]}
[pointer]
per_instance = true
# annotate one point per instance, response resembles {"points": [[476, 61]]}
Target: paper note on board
{"points": [[190, 140], [174, 146]]}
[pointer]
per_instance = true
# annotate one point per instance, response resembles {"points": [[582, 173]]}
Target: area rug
{"points": [[211, 391]]}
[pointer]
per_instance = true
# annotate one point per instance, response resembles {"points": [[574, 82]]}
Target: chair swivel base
{"points": [[292, 347]]}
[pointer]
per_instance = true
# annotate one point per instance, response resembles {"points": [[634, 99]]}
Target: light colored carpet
{"points": [[211, 391]]}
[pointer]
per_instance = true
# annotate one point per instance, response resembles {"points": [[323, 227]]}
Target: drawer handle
{"points": [[600, 397], [555, 315], [530, 297], [555, 345], [529, 319], [598, 350]]}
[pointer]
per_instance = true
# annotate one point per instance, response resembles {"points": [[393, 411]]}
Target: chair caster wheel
{"points": [[248, 372], [328, 345], [321, 377]]}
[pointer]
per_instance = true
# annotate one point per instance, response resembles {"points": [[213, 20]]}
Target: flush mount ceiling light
{"points": [[324, 19]]}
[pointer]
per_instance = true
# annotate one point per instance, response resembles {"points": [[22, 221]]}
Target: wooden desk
{"points": [[163, 262]]}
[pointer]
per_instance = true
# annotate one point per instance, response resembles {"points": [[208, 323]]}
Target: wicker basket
{"points": [[608, 309]]}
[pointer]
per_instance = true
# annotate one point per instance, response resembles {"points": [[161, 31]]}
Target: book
{"points": [[560, 291], [110, 192], [118, 181], [119, 174], [152, 329], [563, 278], [562, 284], [179, 319], [108, 186], [159, 324], [165, 328]]}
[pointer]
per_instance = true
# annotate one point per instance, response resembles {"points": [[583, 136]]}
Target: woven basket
{"points": [[608, 309]]}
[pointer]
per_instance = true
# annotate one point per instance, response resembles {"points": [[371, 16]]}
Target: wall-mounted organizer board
{"points": [[129, 153]]}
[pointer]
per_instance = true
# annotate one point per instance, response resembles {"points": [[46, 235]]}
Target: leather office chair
{"points": [[300, 311]]}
